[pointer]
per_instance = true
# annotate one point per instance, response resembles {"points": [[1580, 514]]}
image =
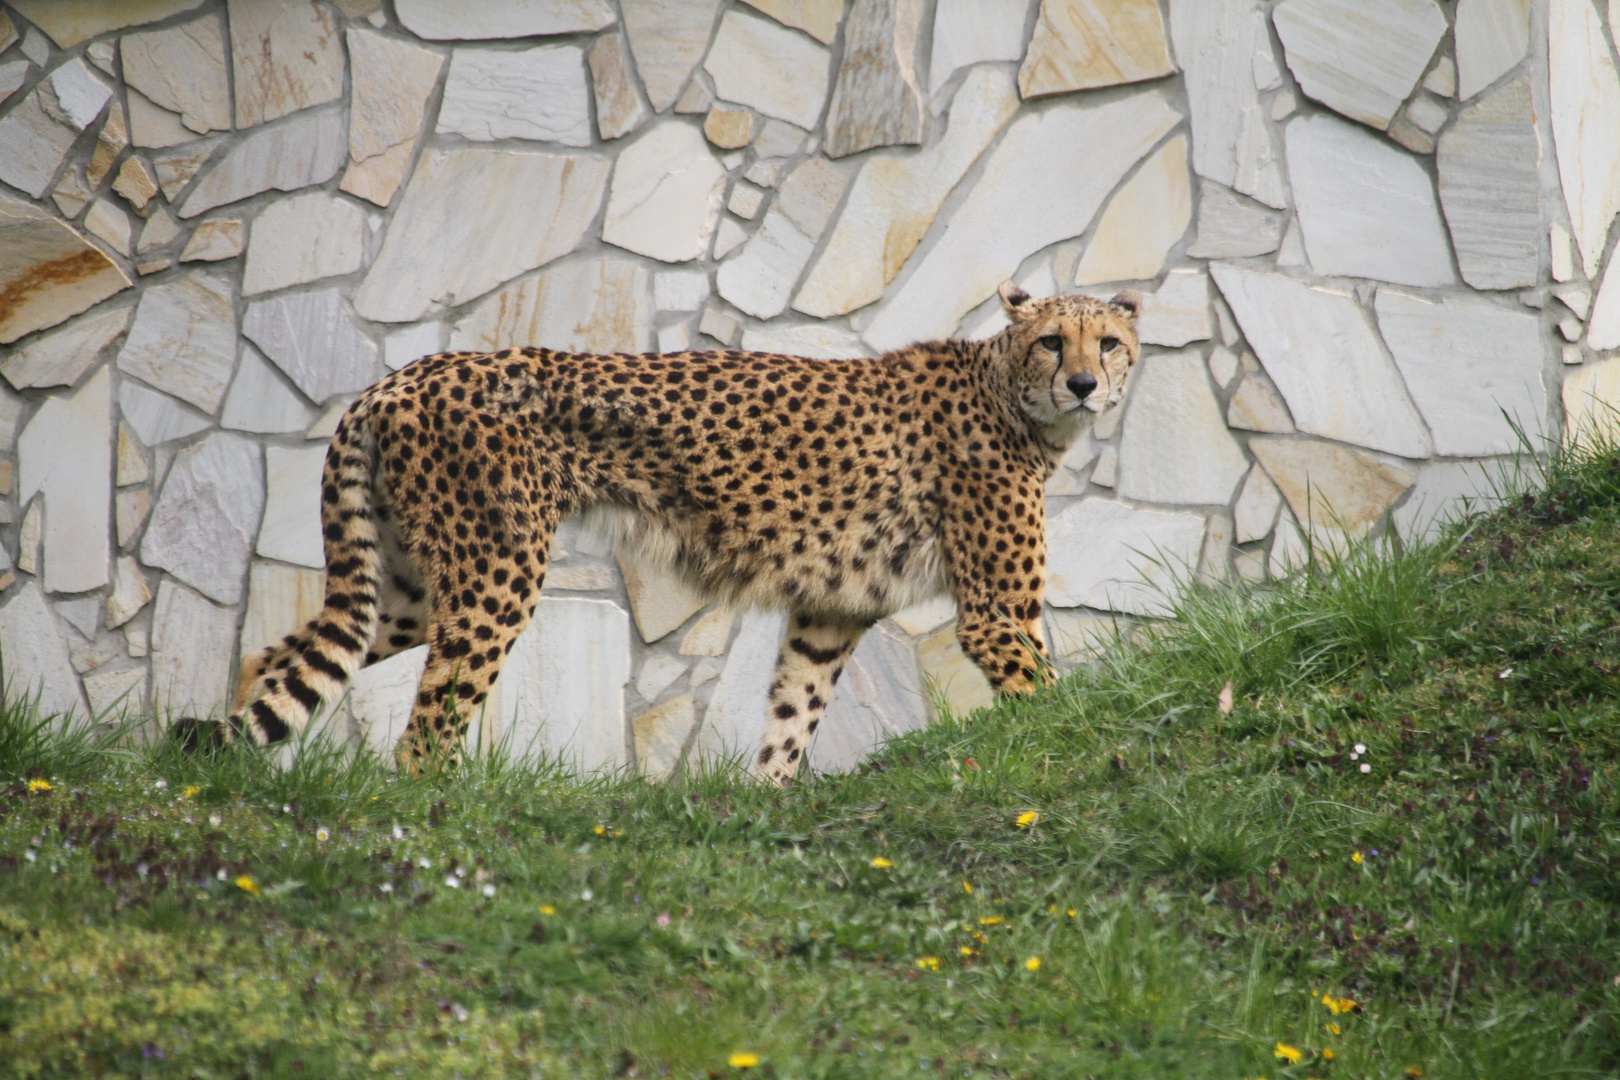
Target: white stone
{"points": [[160, 231], [1333, 490], [769, 68], [533, 94], [391, 80], [818, 18], [1492, 36], [304, 238], [1079, 44], [1178, 312], [1318, 348], [1577, 298], [284, 57], [894, 200], [1221, 44], [619, 109], [442, 20], [314, 340], [968, 32], [727, 238], [927, 615], [176, 167], [709, 635], [677, 338], [132, 467], [70, 24], [666, 193], [579, 578], [1256, 509], [1603, 332], [1107, 470], [131, 508], [28, 538], [761, 279], [680, 290], [720, 325], [818, 341], [62, 357], [207, 516], [1175, 447], [951, 675], [77, 93], [1490, 186], [1360, 58], [1589, 395], [587, 305], [1223, 365], [66, 453], [1585, 95], [667, 40], [745, 199], [130, 592], [1447, 491], [83, 614], [260, 401], [12, 76], [1367, 209], [1427, 113], [457, 233], [562, 686], [305, 149], [116, 693], [660, 736], [35, 657], [192, 642], [48, 273], [1563, 257], [215, 241], [1103, 554], [182, 69], [153, 126], [32, 145], [660, 598], [876, 100], [281, 599], [382, 696], [1231, 226], [1145, 219], [657, 675], [412, 343], [1080, 637], [879, 696], [1256, 406], [157, 418], [1474, 370], [291, 530], [734, 723], [1002, 223]]}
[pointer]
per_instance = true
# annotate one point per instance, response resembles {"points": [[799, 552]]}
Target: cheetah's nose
{"points": [[1081, 385]]}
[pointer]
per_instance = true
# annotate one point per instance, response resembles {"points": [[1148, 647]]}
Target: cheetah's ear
{"points": [[1012, 298], [1129, 303]]}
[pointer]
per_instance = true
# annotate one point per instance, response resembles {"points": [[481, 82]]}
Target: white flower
{"points": [[452, 882], [224, 874], [399, 833], [424, 863], [286, 808], [489, 891], [586, 895], [322, 834], [1361, 748], [387, 886], [1366, 767], [161, 784], [214, 820]]}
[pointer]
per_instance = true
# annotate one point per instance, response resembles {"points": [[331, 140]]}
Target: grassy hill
{"points": [[1398, 854]]}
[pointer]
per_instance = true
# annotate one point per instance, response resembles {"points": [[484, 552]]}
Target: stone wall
{"points": [[1371, 234]]}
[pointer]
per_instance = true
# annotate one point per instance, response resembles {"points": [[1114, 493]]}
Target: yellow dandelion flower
{"points": [[928, 963], [1032, 964], [1028, 818], [967, 951], [547, 909], [1290, 1054], [1331, 1029], [1327, 1054], [1072, 913], [1414, 1072], [1355, 857], [967, 888], [247, 885], [880, 863], [1051, 909], [1344, 1005], [991, 920], [600, 830], [39, 785], [742, 1059], [190, 792]]}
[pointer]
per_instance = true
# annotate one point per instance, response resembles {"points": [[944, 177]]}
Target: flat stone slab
{"points": [[970, 32], [1474, 369], [533, 94], [1106, 555], [1360, 58], [877, 100], [880, 695], [1447, 490], [1078, 45], [183, 339], [35, 656], [291, 527], [451, 20], [303, 238], [1330, 488], [1320, 351], [667, 41], [206, 518], [182, 69], [260, 401], [62, 357], [769, 68], [1175, 447], [1585, 96], [1009, 215], [48, 273], [1146, 217], [1366, 208], [284, 57], [314, 341], [584, 305], [192, 642], [666, 194], [391, 81], [69, 24], [156, 418], [66, 453], [1492, 36], [456, 233], [562, 686], [817, 341], [734, 722], [1178, 312], [1490, 188], [1231, 226], [303, 150]]}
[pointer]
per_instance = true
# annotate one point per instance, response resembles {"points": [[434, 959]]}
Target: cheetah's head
{"points": [[1070, 355]]}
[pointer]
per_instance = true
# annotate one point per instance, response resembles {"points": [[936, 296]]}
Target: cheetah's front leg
{"points": [[812, 657]]}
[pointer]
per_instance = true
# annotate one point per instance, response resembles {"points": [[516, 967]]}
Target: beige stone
{"points": [[281, 599], [728, 126], [391, 81], [657, 675], [304, 238], [1080, 637], [132, 467], [48, 273], [175, 167], [62, 357], [70, 23], [1175, 449], [442, 20], [64, 453], [1359, 57], [130, 592], [183, 340], [665, 195], [1256, 509], [579, 578], [761, 64], [619, 109], [950, 677], [1256, 406], [216, 239], [72, 194], [818, 18], [667, 41], [305, 149], [877, 100], [1330, 488], [710, 634], [660, 736], [136, 183], [130, 508], [926, 615], [108, 222], [660, 599], [1591, 396], [192, 642], [286, 55], [591, 305], [1080, 44], [35, 655], [1146, 217], [182, 69], [28, 538], [151, 125], [110, 142]]}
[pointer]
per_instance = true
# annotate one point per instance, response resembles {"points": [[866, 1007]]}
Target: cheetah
{"points": [[840, 491]]}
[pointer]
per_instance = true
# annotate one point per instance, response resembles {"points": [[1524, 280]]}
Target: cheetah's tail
{"points": [[314, 663]]}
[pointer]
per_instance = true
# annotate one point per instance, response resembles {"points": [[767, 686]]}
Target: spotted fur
{"points": [[840, 491]]}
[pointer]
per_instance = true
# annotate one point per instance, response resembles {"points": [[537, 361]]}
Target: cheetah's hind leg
{"points": [[813, 656]]}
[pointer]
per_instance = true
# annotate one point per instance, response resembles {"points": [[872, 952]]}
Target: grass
{"points": [[1113, 878]]}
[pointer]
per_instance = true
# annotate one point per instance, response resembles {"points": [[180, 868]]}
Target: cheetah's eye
{"points": [[1108, 344], [1052, 343]]}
